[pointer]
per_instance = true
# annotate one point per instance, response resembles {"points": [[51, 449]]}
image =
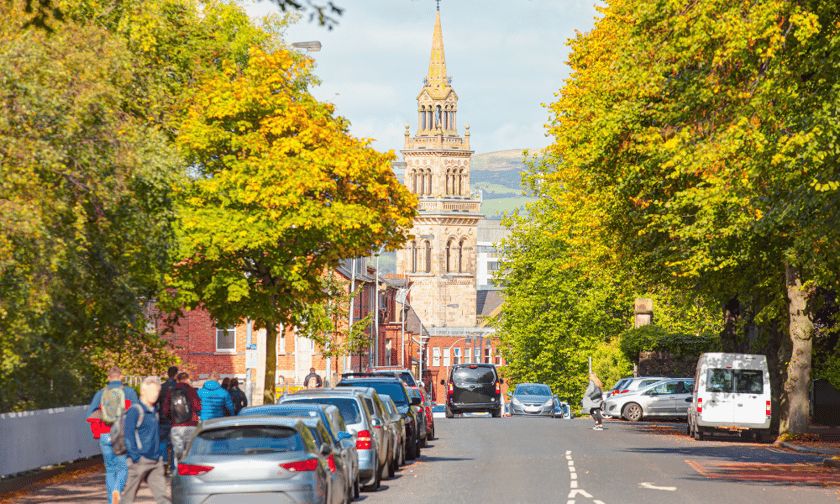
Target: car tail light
{"points": [[331, 463], [473, 366], [498, 388], [301, 465], [363, 440], [451, 389], [768, 408], [623, 391], [193, 470], [699, 405]]}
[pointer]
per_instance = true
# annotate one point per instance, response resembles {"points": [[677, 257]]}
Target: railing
{"points": [[33, 439], [448, 205]]}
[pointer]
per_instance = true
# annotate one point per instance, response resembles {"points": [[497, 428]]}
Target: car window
{"points": [[370, 406], [316, 435], [243, 440], [478, 374], [645, 383], [278, 412], [348, 407], [395, 390], [534, 390], [740, 381]]}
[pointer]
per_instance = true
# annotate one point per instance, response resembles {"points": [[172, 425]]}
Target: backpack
{"points": [[180, 406], [239, 401], [112, 404], [118, 432]]}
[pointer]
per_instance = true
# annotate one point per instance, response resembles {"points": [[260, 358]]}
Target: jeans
{"points": [[180, 436], [596, 415], [150, 471], [164, 445], [116, 470]]}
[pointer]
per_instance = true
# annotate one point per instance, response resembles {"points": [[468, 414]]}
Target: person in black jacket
{"points": [[165, 423], [238, 397], [312, 380]]}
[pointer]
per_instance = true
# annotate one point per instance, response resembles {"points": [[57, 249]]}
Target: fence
{"points": [[33, 439]]}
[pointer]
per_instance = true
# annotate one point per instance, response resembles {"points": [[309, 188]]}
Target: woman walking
{"points": [[592, 400]]}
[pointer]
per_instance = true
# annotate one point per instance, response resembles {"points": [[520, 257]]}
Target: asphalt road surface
{"points": [[521, 460]]}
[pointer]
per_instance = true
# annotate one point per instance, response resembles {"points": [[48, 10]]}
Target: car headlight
{"points": [[515, 401], [550, 402]]}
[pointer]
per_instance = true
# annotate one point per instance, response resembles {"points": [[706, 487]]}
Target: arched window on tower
{"points": [[428, 258], [429, 118], [429, 181], [421, 187], [422, 118], [413, 257], [462, 256], [438, 117], [449, 255], [461, 183]]}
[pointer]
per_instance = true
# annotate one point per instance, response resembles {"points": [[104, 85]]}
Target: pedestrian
{"points": [[226, 383], [312, 380], [215, 400], [165, 423], [237, 396], [181, 406], [109, 403], [593, 399], [142, 444]]}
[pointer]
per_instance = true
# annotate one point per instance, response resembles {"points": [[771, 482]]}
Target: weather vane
{"points": [[438, 4]]}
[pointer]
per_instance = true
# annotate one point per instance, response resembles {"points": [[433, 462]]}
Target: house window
{"points": [[468, 355], [226, 340], [488, 355], [456, 358], [389, 353], [446, 357], [436, 356], [493, 265]]}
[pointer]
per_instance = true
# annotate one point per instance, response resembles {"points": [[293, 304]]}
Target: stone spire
{"points": [[436, 80]]}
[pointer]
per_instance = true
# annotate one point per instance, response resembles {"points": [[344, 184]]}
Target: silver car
{"points": [[252, 459], [665, 398], [532, 399], [397, 426], [361, 422], [337, 424]]}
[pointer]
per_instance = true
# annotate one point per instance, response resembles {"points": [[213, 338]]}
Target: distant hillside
{"points": [[499, 176]]}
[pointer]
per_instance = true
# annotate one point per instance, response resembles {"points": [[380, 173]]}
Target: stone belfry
{"points": [[441, 260]]}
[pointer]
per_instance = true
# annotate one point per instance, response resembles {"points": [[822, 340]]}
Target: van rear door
{"points": [[473, 384], [750, 404], [718, 398]]}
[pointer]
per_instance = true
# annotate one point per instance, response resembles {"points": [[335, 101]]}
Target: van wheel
{"points": [[633, 412], [688, 429], [449, 413], [698, 434], [496, 413]]}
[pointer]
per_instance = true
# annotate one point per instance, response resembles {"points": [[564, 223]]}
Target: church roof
{"points": [[437, 82], [487, 301]]}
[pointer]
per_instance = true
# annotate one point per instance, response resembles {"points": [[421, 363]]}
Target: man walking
{"points": [[165, 423], [142, 443], [181, 406], [237, 396], [112, 401], [214, 399], [312, 380]]}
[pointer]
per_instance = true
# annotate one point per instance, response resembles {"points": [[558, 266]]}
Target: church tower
{"points": [[441, 260]]}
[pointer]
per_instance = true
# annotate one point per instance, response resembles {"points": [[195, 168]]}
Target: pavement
{"points": [[826, 442]]}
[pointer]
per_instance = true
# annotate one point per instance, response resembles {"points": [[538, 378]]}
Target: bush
{"points": [[654, 338]]}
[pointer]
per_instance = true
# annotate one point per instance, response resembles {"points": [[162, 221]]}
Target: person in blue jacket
{"points": [[116, 470], [142, 444], [215, 401]]}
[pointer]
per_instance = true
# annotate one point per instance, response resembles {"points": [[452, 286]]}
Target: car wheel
{"points": [[417, 447], [402, 454], [392, 467], [698, 434], [348, 495], [425, 442], [377, 478], [604, 411], [687, 429], [432, 435], [496, 413], [449, 413], [356, 488], [411, 450], [633, 412]]}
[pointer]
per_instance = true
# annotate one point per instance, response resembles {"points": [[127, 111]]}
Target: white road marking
{"points": [[653, 487], [573, 475], [597, 502], [573, 483], [579, 491]]}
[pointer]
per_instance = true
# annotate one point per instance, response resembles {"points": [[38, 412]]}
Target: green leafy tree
{"points": [[280, 193]]}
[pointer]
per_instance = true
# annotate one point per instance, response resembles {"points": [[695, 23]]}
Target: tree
{"points": [[280, 193], [706, 155], [85, 214]]}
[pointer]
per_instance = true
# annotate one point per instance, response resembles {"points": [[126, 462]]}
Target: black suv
{"points": [[473, 387], [406, 405]]}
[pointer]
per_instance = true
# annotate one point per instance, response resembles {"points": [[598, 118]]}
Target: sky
{"points": [[505, 57]]}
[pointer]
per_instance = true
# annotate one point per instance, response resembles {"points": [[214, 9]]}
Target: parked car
{"points": [[665, 398], [344, 442], [341, 491], [233, 459], [532, 399], [428, 404], [731, 393], [439, 411], [397, 429], [357, 416], [403, 374], [396, 389], [473, 388], [420, 413], [627, 385]]}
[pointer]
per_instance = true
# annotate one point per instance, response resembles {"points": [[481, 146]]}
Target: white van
{"points": [[731, 393]]}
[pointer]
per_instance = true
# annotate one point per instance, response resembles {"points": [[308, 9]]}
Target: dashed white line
{"points": [[573, 483]]}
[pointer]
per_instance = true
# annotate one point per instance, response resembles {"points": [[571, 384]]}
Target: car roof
{"points": [[371, 379], [237, 421]]}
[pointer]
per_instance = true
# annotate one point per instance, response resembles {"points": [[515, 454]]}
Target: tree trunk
{"points": [[795, 416], [729, 334], [269, 394]]}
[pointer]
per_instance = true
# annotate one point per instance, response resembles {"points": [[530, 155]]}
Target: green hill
{"points": [[499, 176]]}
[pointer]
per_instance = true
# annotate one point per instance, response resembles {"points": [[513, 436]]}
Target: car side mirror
{"points": [[443, 382], [688, 399], [501, 382], [416, 401], [507, 394], [344, 435], [325, 449], [376, 422], [396, 417]]}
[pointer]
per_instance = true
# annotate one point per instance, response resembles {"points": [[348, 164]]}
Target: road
{"points": [[545, 460]]}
